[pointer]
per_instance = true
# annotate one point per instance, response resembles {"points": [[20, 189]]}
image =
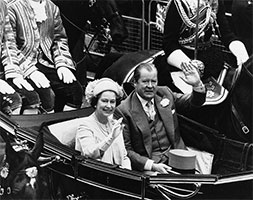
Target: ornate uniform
{"points": [[8, 102], [43, 45], [180, 32], [207, 20]]}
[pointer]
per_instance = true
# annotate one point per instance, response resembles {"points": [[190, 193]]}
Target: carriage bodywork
{"points": [[232, 175]]}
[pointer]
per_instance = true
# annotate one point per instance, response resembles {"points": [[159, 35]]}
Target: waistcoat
{"points": [[160, 140]]}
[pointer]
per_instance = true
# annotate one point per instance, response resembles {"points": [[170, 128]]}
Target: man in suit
{"points": [[152, 130]]}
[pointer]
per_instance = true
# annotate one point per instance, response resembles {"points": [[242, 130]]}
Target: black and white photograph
{"points": [[126, 99]]}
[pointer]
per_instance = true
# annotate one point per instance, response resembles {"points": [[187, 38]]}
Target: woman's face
{"points": [[106, 103]]}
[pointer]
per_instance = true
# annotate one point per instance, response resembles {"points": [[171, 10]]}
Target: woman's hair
{"points": [[94, 100]]}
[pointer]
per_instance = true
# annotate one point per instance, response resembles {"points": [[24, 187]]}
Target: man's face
{"points": [[146, 86]]}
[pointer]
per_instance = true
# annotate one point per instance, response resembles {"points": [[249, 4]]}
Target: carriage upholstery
{"points": [[65, 131]]}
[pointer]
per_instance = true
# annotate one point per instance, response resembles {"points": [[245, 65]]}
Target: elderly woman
{"points": [[99, 136]]}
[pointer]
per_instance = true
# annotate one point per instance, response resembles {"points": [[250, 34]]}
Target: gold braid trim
{"points": [[190, 23]]}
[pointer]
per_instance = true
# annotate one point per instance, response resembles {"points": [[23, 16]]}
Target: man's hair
{"points": [[137, 72]]}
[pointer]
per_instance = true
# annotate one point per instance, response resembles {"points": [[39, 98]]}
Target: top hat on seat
{"points": [[182, 161]]}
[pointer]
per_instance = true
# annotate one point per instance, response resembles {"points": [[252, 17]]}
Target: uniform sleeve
{"points": [[21, 63], [172, 25], [61, 53], [9, 51]]}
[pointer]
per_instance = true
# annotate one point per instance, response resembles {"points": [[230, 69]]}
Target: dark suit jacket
{"points": [[137, 134]]}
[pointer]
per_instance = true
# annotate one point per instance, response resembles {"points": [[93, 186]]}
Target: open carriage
{"points": [[77, 177], [83, 178]]}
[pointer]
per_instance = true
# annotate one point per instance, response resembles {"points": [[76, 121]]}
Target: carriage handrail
{"points": [[167, 191], [183, 178], [241, 176]]}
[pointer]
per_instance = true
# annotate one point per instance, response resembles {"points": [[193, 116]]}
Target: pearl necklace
{"points": [[105, 128]]}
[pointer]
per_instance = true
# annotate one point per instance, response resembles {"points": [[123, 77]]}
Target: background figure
{"points": [[43, 54], [15, 76], [99, 136], [149, 115], [10, 101], [180, 34], [242, 21]]}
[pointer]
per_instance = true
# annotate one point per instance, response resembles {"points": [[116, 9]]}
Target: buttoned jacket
{"points": [[7, 40], [137, 134], [48, 37]]}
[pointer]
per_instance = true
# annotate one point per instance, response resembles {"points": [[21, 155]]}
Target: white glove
{"points": [[116, 131], [5, 88], [65, 75], [239, 51], [22, 83], [40, 79], [117, 128]]}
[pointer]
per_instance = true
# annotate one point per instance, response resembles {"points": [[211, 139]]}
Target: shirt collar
{"points": [[39, 10], [143, 101]]}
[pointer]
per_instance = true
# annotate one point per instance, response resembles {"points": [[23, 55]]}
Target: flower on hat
{"points": [[97, 86], [89, 91], [165, 102]]}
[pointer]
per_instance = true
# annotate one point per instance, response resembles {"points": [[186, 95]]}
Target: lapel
{"points": [[139, 117], [166, 117]]}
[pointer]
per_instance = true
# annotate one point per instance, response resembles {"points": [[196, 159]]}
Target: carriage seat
{"points": [[65, 131]]}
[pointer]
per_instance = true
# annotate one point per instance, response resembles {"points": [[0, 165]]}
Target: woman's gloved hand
{"points": [[117, 128]]}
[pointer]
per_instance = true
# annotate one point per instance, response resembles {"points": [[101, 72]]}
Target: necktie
{"points": [[150, 110]]}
